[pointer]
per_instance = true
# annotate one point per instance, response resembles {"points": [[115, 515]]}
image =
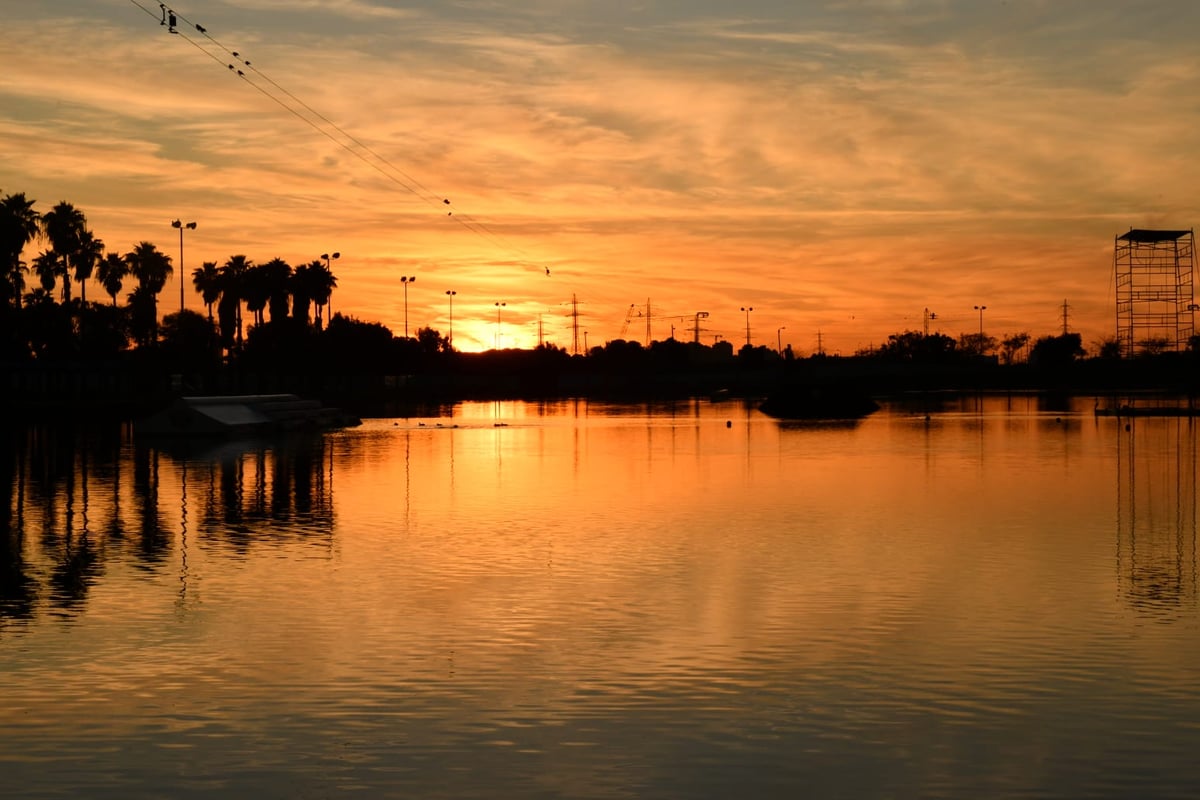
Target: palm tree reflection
{"points": [[67, 516]]}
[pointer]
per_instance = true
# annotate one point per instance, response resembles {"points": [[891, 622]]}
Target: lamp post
{"points": [[779, 339], [182, 279], [450, 293], [405, 281], [329, 269], [585, 344], [980, 309], [747, 309], [498, 307]]}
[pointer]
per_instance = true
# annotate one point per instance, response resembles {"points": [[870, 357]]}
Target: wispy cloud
{"points": [[840, 160]]}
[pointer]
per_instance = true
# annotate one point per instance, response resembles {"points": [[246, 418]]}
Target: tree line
{"points": [[41, 317]]}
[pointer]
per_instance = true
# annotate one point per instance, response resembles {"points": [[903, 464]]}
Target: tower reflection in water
{"points": [[1156, 515], [79, 504]]}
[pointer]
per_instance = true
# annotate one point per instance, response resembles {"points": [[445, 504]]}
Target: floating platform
{"points": [[241, 415], [818, 403]]}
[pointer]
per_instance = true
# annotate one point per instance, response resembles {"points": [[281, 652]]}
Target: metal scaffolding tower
{"points": [[1154, 289]]}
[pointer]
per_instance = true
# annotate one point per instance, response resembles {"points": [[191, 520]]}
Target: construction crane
{"points": [[635, 312]]}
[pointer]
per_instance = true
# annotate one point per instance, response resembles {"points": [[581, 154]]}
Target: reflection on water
{"points": [[79, 498], [1156, 516], [572, 599]]}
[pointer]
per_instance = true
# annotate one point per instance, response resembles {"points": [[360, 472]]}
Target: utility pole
{"points": [[575, 325], [1066, 309], [539, 330], [928, 316]]}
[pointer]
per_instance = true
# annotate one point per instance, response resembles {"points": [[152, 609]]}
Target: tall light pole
{"points": [[779, 339], [747, 309], [182, 276], [329, 269], [980, 309], [498, 307], [405, 281], [450, 293]]}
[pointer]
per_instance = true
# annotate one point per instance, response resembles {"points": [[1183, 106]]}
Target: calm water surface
{"points": [[580, 600]]}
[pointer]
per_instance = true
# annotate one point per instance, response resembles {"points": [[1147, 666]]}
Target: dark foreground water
{"points": [[586, 601]]}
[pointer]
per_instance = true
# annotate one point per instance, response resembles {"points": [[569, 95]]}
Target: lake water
{"points": [[581, 600]]}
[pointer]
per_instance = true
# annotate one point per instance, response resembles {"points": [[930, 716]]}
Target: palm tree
{"points": [[256, 291], [302, 287], [85, 259], [64, 226], [277, 278], [151, 267], [19, 224], [111, 272], [323, 284], [229, 310], [46, 267], [207, 280]]}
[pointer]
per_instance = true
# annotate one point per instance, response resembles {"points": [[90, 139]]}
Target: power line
{"points": [[328, 128]]}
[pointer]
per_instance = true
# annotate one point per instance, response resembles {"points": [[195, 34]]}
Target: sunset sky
{"points": [[838, 166]]}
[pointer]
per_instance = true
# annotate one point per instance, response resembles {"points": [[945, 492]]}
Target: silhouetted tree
{"points": [[189, 341], [431, 342], [46, 266], [360, 346], [323, 282], [915, 346], [107, 330], [304, 282], [277, 279], [143, 316], [1056, 351], [1108, 347], [976, 344], [19, 224], [1154, 345], [207, 280], [84, 260], [1011, 345], [229, 309], [111, 272], [256, 291], [64, 226], [151, 267], [47, 326]]}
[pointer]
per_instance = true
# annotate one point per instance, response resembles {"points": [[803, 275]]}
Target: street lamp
{"points": [[405, 281], [779, 339], [980, 309], [181, 225], [747, 309], [498, 307], [329, 269], [450, 293]]}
